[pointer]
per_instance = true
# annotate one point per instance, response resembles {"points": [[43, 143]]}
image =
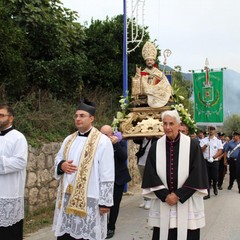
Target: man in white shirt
{"points": [[13, 162], [212, 148]]}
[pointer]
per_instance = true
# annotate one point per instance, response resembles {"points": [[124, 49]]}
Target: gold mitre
{"points": [[149, 51]]}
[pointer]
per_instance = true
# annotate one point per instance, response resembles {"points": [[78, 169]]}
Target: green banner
{"points": [[208, 97]]}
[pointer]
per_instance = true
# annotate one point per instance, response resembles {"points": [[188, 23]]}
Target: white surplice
{"points": [[100, 191], [13, 162]]}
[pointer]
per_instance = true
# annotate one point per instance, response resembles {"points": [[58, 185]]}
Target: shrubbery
{"points": [[42, 118]]}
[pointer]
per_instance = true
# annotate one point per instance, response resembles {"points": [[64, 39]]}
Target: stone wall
{"points": [[41, 187]]}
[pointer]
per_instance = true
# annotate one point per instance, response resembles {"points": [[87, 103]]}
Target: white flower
{"points": [[181, 97], [120, 115], [124, 102]]}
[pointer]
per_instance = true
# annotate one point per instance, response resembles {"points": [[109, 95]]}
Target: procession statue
{"points": [[150, 87], [150, 94]]}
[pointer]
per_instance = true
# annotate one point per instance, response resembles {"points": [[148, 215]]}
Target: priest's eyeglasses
{"points": [[80, 116], [3, 115]]}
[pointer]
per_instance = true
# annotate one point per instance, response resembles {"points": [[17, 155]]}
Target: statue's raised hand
{"points": [[138, 70]]}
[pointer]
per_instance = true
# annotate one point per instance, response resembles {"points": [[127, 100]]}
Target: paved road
{"points": [[222, 219]]}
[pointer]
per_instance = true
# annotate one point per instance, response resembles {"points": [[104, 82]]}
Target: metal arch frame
{"points": [[134, 20]]}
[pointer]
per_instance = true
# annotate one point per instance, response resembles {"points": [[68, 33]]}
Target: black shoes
{"points": [[206, 197], [215, 191], [220, 188], [110, 233], [229, 187]]}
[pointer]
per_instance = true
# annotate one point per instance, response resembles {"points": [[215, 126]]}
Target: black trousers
{"points": [[172, 234], [117, 197], [232, 171], [14, 232], [238, 175], [68, 237], [222, 169], [212, 169]]}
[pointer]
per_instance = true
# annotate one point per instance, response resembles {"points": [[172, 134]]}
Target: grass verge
{"points": [[38, 220]]}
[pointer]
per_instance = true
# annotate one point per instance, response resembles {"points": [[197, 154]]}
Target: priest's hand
{"points": [[68, 167], [172, 199], [103, 210]]}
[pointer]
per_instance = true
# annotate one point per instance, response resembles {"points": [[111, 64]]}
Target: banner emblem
{"points": [[208, 97]]}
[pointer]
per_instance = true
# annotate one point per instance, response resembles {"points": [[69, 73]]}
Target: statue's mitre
{"points": [[149, 51]]}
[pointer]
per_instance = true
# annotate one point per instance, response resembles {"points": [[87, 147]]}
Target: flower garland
{"points": [[124, 103], [185, 117]]}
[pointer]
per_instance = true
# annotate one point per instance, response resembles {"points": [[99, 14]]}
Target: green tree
{"points": [[13, 46], [104, 45], [182, 87], [54, 53], [182, 97], [231, 124]]}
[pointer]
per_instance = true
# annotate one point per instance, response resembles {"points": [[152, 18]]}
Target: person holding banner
{"points": [[231, 153], [222, 166], [212, 149]]}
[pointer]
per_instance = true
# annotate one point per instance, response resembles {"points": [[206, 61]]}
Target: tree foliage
{"points": [[13, 45], [182, 87], [45, 52], [231, 124], [104, 44], [53, 56]]}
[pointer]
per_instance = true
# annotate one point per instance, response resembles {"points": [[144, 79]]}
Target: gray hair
{"points": [[173, 114]]}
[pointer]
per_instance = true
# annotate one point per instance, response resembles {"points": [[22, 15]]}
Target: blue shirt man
{"points": [[231, 152], [238, 172]]}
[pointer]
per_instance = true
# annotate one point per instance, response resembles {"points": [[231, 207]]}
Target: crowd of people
{"points": [[178, 170], [222, 154]]}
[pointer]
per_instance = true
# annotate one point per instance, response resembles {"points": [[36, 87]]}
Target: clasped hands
{"points": [[69, 168], [172, 199]]}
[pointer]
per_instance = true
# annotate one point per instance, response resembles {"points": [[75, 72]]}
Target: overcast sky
{"points": [[193, 29]]}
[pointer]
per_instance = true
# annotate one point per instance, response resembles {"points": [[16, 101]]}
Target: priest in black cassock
{"points": [[175, 178]]}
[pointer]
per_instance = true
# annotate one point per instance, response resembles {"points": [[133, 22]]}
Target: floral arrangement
{"points": [[185, 117], [183, 113], [124, 103]]}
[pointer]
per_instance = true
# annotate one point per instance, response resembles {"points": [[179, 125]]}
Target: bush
{"points": [[42, 118]]}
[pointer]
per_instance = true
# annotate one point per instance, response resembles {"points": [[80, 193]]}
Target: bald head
{"points": [[107, 130]]}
